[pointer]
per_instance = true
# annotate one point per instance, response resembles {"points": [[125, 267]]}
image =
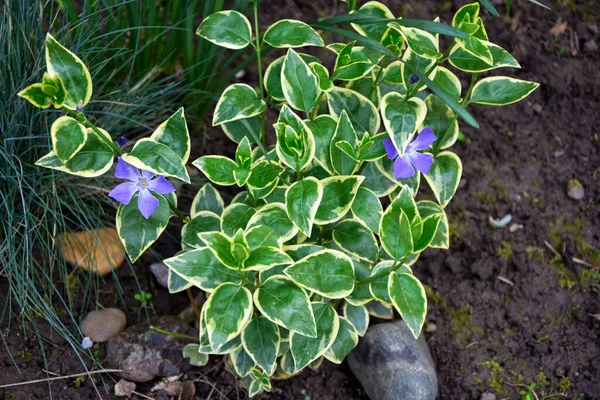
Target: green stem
{"points": [[83, 120], [179, 214], [378, 77], [260, 72], [169, 333], [396, 266], [315, 109]]}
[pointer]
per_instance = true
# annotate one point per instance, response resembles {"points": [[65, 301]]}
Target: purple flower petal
{"points": [[123, 192], [147, 203], [390, 149], [147, 174], [424, 140], [124, 170], [421, 161], [402, 168], [161, 185]]}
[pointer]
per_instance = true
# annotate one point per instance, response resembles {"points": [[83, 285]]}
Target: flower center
{"points": [[144, 183]]}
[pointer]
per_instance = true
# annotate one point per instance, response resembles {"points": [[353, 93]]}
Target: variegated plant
{"points": [[329, 223]]}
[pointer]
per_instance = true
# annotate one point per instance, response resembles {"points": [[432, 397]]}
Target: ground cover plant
{"points": [[312, 234]]}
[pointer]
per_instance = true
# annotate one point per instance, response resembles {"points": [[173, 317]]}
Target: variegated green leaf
{"points": [[448, 81], [36, 96], [197, 359], [264, 174], [273, 76], [376, 181], [428, 231], [342, 163], [157, 158], [329, 273], [378, 30], [379, 310], [408, 297], [299, 83], [402, 118], [218, 169], [207, 199], [236, 216], [442, 236], [138, 233], [291, 33], [305, 349], [358, 317], [395, 233], [501, 90], [465, 61], [295, 142], [94, 159], [367, 208], [261, 342], [379, 287], [345, 340], [302, 201], [444, 176], [177, 283], [338, 195], [203, 221], [264, 258], [174, 134], [275, 216], [361, 294], [221, 246], [421, 42], [229, 29], [323, 128], [72, 72], [285, 303], [325, 84], [442, 121], [352, 63], [238, 101], [363, 114], [201, 268], [228, 312], [68, 137], [355, 238], [241, 128], [242, 362]]}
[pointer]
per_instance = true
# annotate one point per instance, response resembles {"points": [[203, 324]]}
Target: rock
{"points": [[575, 190], [98, 250], [488, 396], [188, 390], [591, 46], [101, 325], [430, 327], [144, 353], [161, 273], [391, 365], [174, 389], [124, 388]]}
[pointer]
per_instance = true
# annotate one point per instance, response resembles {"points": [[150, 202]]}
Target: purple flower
{"points": [[404, 166], [141, 182], [414, 79], [122, 141]]}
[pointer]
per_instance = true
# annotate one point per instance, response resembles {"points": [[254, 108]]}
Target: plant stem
{"points": [[179, 214], [80, 117], [443, 58], [169, 333], [260, 72], [396, 266], [378, 77], [315, 109]]}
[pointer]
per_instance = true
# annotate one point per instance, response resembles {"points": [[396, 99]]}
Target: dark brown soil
{"points": [[505, 309]]}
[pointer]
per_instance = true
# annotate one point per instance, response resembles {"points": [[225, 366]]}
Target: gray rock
{"points": [[488, 396], [161, 273], [101, 325], [391, 365], [144, 353], [575, 190]]}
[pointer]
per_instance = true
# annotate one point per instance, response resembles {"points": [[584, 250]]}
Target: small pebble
{"points": [[591, 46], [188, 390], [101, 325], [161, 273], [124, 388], [537, 108], [575, 190], [430, 327], [173, 389], [488, 396]]}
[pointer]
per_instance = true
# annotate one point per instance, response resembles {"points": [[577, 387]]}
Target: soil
{"points": [[507, 307]]}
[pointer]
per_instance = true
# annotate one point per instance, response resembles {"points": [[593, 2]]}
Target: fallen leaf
{"points": [[124, 388], [98, 250], [559, 28], [188, 390]]}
